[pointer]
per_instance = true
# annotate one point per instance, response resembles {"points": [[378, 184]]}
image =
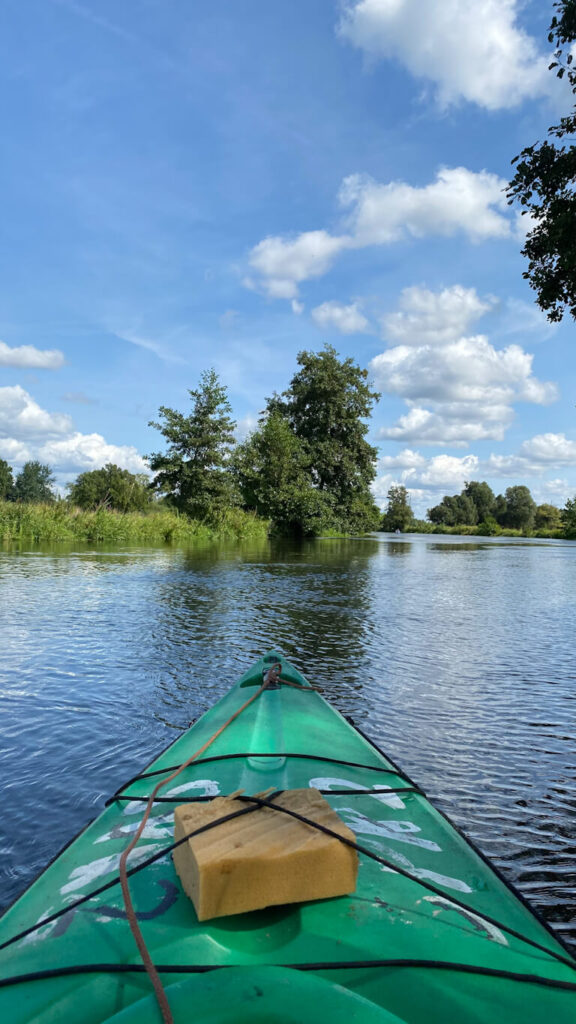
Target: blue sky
{"points": [[188, 185]]}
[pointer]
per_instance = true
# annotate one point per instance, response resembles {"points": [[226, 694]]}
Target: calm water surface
{"points": [[457, 657]]}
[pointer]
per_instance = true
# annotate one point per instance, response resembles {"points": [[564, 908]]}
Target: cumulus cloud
{"points": [[346, 319], [81, 452], [29, 432], [471, 50], [457, 201], [425, 479], [22, 418], [550, 448], [282, 263], [536, 455], [425, 427], [29, 358], [459, 388], [434, 318]]}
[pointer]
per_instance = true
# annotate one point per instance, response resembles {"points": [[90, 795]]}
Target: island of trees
{"points": [[477, 510], [305, 471]]}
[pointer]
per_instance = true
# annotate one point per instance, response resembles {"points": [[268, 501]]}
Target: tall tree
{"points": [[34, 483], [6, 481], [272, 468], [327, 405], [454, 510], [547, 517], [194, 471], [398, 514], [568, 516], [544, 187], [482, 496], [520, 508], [111, 487]]}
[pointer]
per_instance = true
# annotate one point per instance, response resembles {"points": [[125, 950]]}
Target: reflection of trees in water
{"points": [[397, 547], [456, 547], [219, 609]]}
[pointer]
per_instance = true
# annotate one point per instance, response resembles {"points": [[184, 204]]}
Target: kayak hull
{"points": [[431, 934]]}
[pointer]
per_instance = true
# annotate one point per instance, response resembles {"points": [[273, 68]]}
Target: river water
{"points": [[457, 656]]}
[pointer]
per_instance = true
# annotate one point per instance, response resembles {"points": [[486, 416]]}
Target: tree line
{"points": [[307, 467], [479, 507]]}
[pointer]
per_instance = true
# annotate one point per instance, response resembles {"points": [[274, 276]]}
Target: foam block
{"points": [[264, 858]]}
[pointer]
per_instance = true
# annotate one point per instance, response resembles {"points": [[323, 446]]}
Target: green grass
{"points": [[60, 521], [477, 531]]}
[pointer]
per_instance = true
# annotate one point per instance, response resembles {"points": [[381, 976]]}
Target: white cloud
{"points": [[458, 388], [346, 319], [283, 263], [537, 455], [425, 427], [550, 448], [426, 479], [81, 452], [29, 432], [434, 318], [471, 50], [22, 418], [457, 201], [470, 370], [27, 357], [406, 459]]}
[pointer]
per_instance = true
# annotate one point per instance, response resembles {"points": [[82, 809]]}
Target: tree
{"points": [[544, 187], [194, 472], [568, 515], [482, 495], [547, 517], [6, 481], [454, 510], [327, 405], [499, 510], [520, 508], [398, 514], [272, 469], [34, 483], [111, 487]]}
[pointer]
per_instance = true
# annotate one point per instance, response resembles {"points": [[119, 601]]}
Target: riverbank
{"points": [[60, 521], [424, 527]]}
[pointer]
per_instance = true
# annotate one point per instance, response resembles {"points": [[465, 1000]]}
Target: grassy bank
{"points": [[422, 526], [60, 521]]}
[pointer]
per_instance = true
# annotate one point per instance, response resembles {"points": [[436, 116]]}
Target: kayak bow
{"points": [[432, 934]]}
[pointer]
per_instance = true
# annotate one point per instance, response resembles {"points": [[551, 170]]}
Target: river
{"points": [[456, 655]]}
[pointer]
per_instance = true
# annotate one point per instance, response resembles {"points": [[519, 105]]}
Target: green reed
{"points": [[60, 521]]}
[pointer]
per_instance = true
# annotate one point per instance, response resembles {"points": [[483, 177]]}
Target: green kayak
{"points": [[432, 933]]}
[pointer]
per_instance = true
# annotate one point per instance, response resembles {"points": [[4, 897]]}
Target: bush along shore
{"points": [[59, 520]]}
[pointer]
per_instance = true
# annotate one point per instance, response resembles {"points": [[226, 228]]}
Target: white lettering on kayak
{"points": [[402, 832], [480, 923], [209, 787], [160, 827], [393, 800], [88, 873], [399, 831]]}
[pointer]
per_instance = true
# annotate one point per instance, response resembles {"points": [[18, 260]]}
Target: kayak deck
{"points": [[427, 936]]}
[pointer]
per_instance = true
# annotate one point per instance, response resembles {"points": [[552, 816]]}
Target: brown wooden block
{"points": [[264, 858]]}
